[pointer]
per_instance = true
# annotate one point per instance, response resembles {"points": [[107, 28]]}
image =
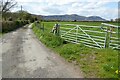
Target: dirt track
{"points": [[23, 56]]}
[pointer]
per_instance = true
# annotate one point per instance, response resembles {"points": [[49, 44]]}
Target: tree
{"points": [[36, 19], [74, 20], [24, 15], [111, 20], [7, 5], [117, 19]]}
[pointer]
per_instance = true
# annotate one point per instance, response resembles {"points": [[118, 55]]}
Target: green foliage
{"points": [[9, 19], [53, 41], [48, 38], [69, 49], [20, 15], [1, 34], [110, 64], [12, 25]]}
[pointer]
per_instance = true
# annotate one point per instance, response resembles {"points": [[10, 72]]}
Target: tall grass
{"points": [[48, 38]]}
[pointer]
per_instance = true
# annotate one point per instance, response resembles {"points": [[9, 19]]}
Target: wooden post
{"points": [[43, 26], [107, 38], [57, 29], [105, 42], [76, 32], [40, 24]]}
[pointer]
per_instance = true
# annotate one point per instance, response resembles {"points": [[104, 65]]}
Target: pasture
{"points": [[100, 63]]}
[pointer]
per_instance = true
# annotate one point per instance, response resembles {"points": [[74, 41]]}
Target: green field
{"points": [[94, 63], [51, 24]]}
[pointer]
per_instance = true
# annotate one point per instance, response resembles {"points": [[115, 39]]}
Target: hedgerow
{"points": [[12, 25]]}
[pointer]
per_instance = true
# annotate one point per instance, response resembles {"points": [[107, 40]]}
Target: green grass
{"points": [[1, 34], [80, 23], [97, 63]]}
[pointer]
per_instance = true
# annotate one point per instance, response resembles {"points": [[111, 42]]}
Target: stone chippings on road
{"points": [[24, 56]]}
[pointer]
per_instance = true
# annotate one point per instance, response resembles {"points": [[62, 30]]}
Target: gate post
{"points": [[107, 38], [106, 35], [110, 35], [76, 32]]}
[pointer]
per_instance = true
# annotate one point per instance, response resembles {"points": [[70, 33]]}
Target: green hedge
{"points": [[12, 25]]}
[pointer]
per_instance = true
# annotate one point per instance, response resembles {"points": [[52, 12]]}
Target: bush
{"points": [[7, 26], [12, 25], [10, 19]]}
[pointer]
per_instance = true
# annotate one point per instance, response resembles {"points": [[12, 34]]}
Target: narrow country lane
{"points": [[23, 56]]}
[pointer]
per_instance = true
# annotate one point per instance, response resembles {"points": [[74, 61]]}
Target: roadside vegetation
{"points": [[0, 34], [101, 63], [12, 25], [13, 21], [94, 63]]}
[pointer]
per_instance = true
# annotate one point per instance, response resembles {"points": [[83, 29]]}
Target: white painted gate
{"points": [[91, 36]]}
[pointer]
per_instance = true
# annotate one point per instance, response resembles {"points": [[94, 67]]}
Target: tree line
{"points": [[13, 20], [6, 7]]}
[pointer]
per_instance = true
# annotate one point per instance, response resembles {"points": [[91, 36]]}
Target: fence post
{"points": [[110, 35], [43, 27], [76, 32], [107, 38], [40, 25], [105, 43]]}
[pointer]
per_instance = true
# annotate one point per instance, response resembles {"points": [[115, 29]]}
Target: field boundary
{"points": [[103, 36]]}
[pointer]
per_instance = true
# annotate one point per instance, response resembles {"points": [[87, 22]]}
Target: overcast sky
{"points": [[107, 9]]}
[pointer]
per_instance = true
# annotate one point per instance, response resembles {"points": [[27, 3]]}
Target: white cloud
{"points": [[80, 7], [66, 1]]}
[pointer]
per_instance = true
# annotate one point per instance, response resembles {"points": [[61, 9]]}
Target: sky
{"points": [[107, 9]]}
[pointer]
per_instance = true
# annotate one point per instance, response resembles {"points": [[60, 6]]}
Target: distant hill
{"points": [[72, 18], [95, 18]]}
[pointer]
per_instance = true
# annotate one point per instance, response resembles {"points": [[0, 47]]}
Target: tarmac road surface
{"points": [[23, 56]]}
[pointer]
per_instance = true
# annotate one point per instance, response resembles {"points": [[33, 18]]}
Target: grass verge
{"points": [[1, 34]]}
